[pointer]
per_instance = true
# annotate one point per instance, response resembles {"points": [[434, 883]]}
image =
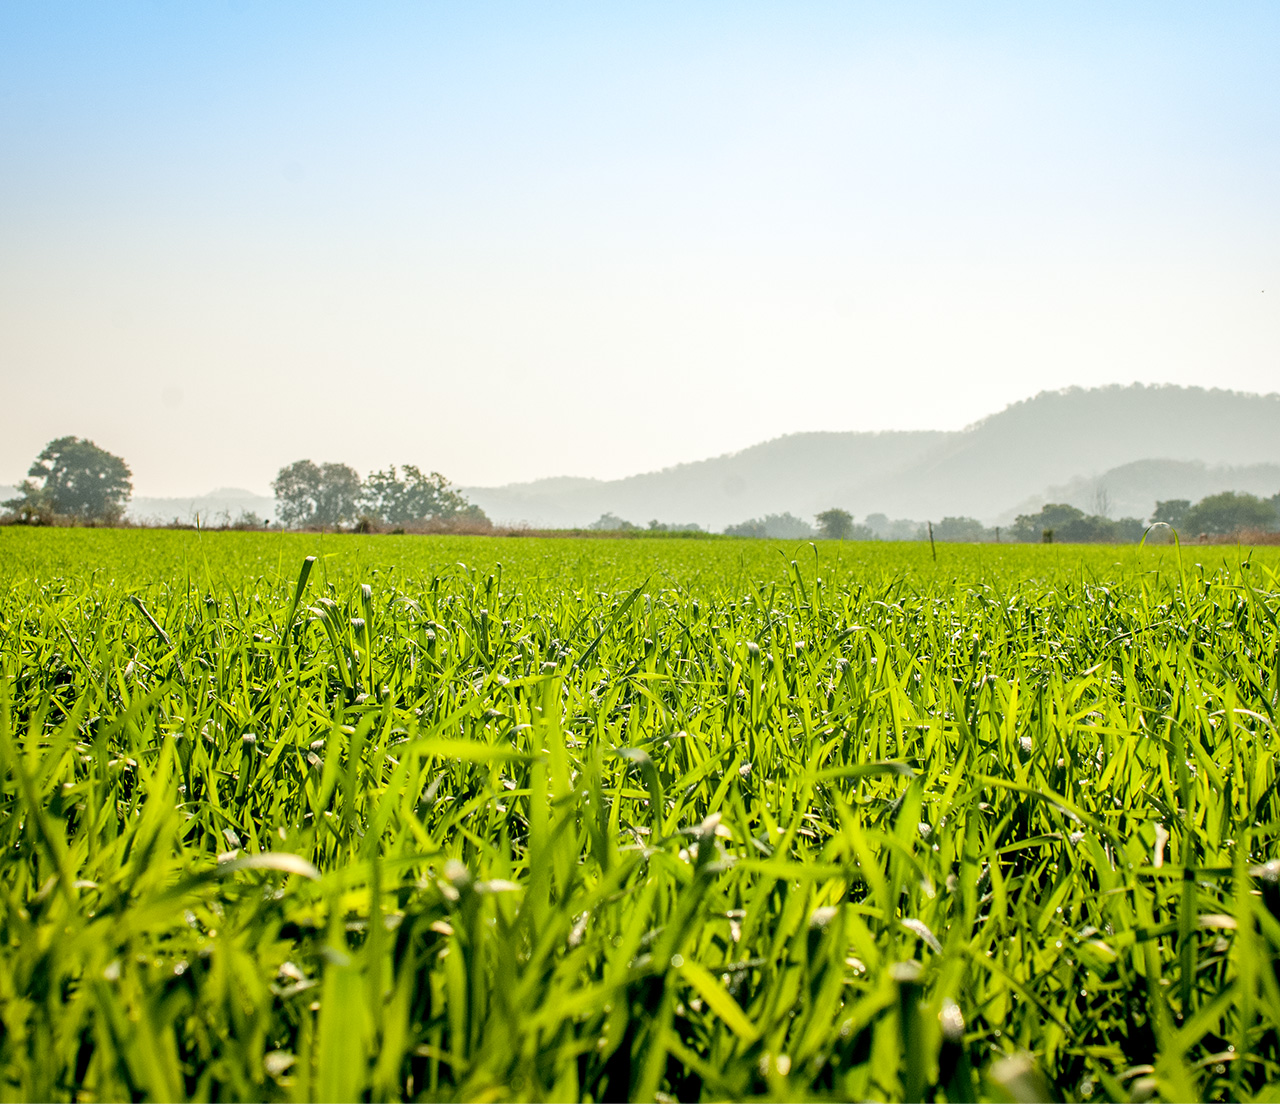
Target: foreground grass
{"points": [[634, 819]]}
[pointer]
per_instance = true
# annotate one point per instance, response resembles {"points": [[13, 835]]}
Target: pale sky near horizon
{"points": [[507, 241]]}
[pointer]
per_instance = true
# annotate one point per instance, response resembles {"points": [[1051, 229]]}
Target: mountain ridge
{"points": [[991, 470], [1115, 449]]}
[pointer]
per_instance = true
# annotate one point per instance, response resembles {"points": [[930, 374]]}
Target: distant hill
{"points": [[1061, 436], [997, 467], [1117, 449], [800, 473]]}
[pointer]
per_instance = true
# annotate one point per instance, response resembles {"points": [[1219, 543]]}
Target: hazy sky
{"points": [[510, 241]]}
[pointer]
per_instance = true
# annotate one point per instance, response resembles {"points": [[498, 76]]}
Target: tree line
{"points": [[1229, 513], [310, 495], [74, 480]]}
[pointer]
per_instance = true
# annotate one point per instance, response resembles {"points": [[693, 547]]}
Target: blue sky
{"points": [[510, 241]]}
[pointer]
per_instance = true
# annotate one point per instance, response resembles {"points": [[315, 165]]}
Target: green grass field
{"points": [[490, 818]]}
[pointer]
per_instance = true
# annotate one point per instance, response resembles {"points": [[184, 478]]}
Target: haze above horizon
{"points": [[508, 243]]}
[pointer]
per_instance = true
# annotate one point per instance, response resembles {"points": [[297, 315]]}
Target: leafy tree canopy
{"points": [[1172, 511], [316, 494], [965, 529], [611, 522], [1228, 513], [75, 478], [835, 524], [784, 526], [396, 497], [657, 526], [882, 527], [1061, 522]]}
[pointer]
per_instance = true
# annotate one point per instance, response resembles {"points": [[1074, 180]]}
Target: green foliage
{"points": [[1171, 512], [610, 523], [316, 494], [895, 529], [316, 816], [1230, 513], [247, 519], [837, 524], [34, 506], [76, 479], [961, 529], [783, 526], [409, 495], [1072, 525], [656, 526]]}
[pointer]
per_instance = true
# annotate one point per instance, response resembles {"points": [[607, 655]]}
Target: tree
{"points": [[1061, 522], [1172, 511], [610, 523], [395, 499], [784, 526], [1230, 512], [752, 527], [882, 527], [961, 529], [656, 526], [316, 494], [77, 479], [32, 506], [835, 524]]}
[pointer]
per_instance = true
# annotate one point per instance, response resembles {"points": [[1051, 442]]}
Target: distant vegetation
{"points": [[76, 480], [836, 524], [310, 495], [611, 523], [1229, 512], [886, 528], [1222, 515], [1137, 444], [73, 481], [1059, 522], [775, 526]]}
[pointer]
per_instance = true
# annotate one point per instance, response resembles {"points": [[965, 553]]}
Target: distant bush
{"points": [[656, 526], [247, 519], [895, 529], [612, 523], [773, 526], [961, 530], [1061, 523], [837, 524]]}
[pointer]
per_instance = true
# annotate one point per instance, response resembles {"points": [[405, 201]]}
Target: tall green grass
{"points": [[643, 820]]}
